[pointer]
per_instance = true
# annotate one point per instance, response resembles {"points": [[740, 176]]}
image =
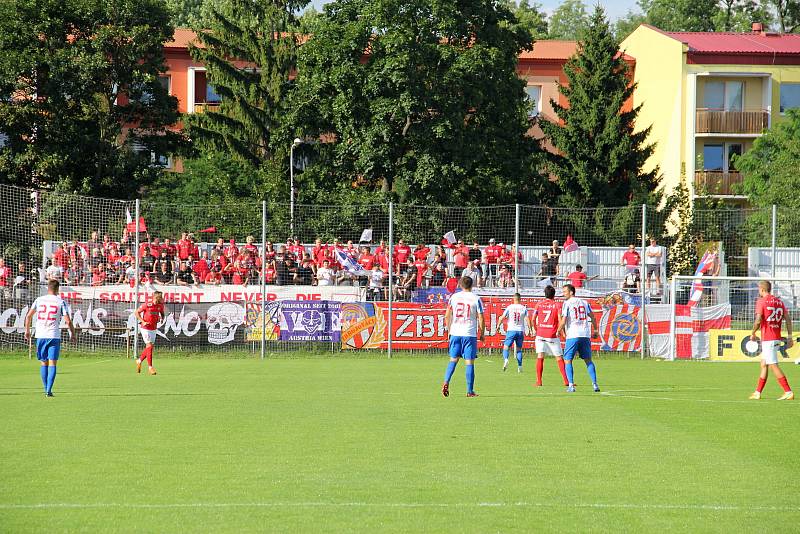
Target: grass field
{"points": [[355, 445]]}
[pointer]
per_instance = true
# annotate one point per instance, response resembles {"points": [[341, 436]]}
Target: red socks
{"points": [[784, 384], [761, 383], [147, 354], [563, 369], [539, 370]]}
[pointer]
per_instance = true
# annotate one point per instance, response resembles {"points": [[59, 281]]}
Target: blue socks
{"points": [[505, 354], [568, 368], [43, 372], [470, 377], [592, 371], [451, 368], [519, 358], [51, 377]]}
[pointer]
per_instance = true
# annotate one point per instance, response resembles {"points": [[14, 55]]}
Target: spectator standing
{"points": [[460, 258], [55, 271], [61, 257], [376, 281], [305, 271], [632, 283], [170, 249], [184, 246], [319, 252], [400, 257], [421, 252], [282, 265], [473, 270], [94, 241], [297, 249], [421, 266], [5, 279], [475, 253], [148, 262], [654, 255], [439, 270], [555, 251], [631, 259], [577, 277], [325, 275], [492, 257], [549, 268], [74, 276], [202, 266], [22, 282]]}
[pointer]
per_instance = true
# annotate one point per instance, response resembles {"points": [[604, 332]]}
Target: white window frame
{"points": [[538, 108]]}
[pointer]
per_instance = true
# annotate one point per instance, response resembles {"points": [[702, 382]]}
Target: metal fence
{"points": [[251, 276]]}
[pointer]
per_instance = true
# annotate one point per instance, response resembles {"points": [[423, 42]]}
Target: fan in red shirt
{"points": [[492, 254], [460, 258], [631, 258], [770, 315], [577, 277], [366, 259], [319, 252], [422, 269], [421, 252], [297, 249], [544, 321], [169, 248], [184, 246], [149, 314]]}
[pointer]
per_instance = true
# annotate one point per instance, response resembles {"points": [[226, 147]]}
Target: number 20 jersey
{"points": [[772, 311], [466, 306]]}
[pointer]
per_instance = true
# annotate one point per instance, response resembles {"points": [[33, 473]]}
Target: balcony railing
{"points": [[731, 122], [716, 182], [202, 107]]}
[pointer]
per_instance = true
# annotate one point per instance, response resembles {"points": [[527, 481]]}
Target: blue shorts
{"points": [[464, 347], [514, 336], [47, 349], [582, 346]]}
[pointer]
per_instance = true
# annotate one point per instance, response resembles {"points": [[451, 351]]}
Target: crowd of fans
{"points": [[102, 261]]}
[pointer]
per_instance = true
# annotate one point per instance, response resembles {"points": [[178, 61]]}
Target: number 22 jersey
{"points": [[49, 311], [466, 307]]}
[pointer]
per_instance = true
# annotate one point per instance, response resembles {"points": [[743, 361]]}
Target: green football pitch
{"points": [[343, 444]]}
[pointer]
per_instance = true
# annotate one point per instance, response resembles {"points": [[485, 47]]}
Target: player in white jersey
{"points": [[465, 322], [49, 311], [516, 314], [579, 324]]}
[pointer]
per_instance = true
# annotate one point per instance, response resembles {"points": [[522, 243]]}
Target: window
{"points": [[790, 96], [719, 157], [156, 160], [534, 94], [713, 157], [211, 95], [723, 96], [166, 82]]}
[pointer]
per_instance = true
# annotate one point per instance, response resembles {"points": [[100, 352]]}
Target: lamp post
{"points": [[296, 143]]}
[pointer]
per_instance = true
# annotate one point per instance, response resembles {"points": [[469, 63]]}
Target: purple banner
{"points": [[303, 320]]}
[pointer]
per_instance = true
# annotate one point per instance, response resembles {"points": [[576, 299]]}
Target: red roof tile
{"points": [[551, 49], [738, 43]]}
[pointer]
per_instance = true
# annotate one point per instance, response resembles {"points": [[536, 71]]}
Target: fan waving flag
{"points": [[352, 266], [570, 244], [366, 236], [449, 239], [209, 230], [130, 226], [697, 285]]}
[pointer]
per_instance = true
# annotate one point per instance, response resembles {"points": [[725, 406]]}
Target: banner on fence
{"points": [[736, 346], [692, 326], [208, 293], [310, 321]]}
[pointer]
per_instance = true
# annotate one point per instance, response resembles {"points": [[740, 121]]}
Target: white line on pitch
{"points": [[312, 504]]}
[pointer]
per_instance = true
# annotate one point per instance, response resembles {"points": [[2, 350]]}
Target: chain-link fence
{"points": [[261, 277]]}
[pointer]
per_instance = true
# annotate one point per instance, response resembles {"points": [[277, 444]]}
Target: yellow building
{"points": [[708, 96]]}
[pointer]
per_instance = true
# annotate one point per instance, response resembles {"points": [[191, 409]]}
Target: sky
{"points": [[614, 8]]}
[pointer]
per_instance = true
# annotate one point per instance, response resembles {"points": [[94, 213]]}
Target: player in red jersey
{"points": [[149, 315], [544, 323], [770, 314]]}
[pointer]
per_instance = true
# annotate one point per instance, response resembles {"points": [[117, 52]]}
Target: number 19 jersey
{"points": [[466, 307]]}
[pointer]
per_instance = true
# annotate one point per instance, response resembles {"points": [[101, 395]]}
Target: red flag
{"points": [[570, 244], [209, 230], [131, 226]]}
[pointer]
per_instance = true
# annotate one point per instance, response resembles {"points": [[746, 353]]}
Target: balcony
{"points": [[713, 121], [202, 107], [718, 183]]}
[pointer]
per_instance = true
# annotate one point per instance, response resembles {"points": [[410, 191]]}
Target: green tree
{"points": [[419, 99], [682, 257], [625, 25], [185, 13], [600, 154], [681, 15], [569, 20], [80, 91], [529, 17], [787, 15], [739, 15], [770, 177], [250, 55]]}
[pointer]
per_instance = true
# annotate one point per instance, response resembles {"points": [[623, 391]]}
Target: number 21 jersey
{"points": [[466, 307]]}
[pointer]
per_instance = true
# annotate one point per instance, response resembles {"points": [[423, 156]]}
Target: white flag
{"points": [[449, 237], [366, 236], [128, 218]]}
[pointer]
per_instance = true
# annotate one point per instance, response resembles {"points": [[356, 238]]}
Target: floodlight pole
{"points": [[136, 286], [263, 278], [647, 281], [296, 143], [774, 236], [516, 262], [391, 277]]}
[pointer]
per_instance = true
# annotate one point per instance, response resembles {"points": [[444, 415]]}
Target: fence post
{"points": [[516, 249], [774, 236], [136, 285], [391, 277], [673, 293], [263, 278], [644, 294]]}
